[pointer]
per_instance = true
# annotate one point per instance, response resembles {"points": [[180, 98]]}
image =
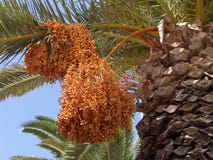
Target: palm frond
{"points": [[45, 118], [188, 10], [200, 9], [42, 129], [57, 148], [36, 132], [135, 149], [45, 10], [94, 151], [204, 10], [14, 81], [21, 157], [18, 29], [58, 10], [132, 12], [168, 11], [127, 56], [45, 129], [121, 148], [75, 151]]}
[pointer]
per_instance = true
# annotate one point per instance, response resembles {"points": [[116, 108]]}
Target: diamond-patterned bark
{"points": [[178, 108]]}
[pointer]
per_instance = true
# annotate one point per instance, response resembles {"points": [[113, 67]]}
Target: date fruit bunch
{"points": [[66, 43]]}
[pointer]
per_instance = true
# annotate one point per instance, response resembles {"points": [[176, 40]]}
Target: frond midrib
{"points": [[42, 131], [21, 37], [84, 152], [16, 83], [51, 147]]}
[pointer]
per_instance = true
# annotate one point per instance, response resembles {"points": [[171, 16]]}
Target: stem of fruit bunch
{"points": [[142, 38], [128, 37]]}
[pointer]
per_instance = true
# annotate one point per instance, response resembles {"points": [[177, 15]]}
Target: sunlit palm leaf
{"points": [[43, 128], [122, 148], [44, 118], [132, 12], [75, 151], [14, 81], [45, 10], [188, 10], [64, 11], [95, 152], [18, 29], [57, 148], [20, 157], [167, 10], [199, 9]]}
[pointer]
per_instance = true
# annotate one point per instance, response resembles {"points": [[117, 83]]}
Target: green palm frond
{"points": [[42, 128], [20, 157], [56, 147], [64, 11], [44, 118], [36, 132], [75, 151], [168, 11], [132, 12], [14, 81], [18, 29], [187, 10], [121, 62], [94, 151], [198, 10], [45, 129], [135, 149], [121, 148], [46, 10]]}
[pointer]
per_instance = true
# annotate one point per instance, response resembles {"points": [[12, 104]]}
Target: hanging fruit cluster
{"points": [[66, 43], [94, 106]]}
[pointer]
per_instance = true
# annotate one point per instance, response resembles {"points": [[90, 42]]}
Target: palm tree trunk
{"points": [[178, 97]]}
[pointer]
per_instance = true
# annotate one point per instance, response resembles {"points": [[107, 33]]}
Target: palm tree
{"points": [[110, 22], [44, 128]]}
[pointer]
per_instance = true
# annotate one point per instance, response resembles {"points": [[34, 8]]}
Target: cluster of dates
{"points": [[94, 106]]}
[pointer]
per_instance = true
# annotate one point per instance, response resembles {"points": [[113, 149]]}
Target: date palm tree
{"points": [[61, 148], [178, 116]]}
